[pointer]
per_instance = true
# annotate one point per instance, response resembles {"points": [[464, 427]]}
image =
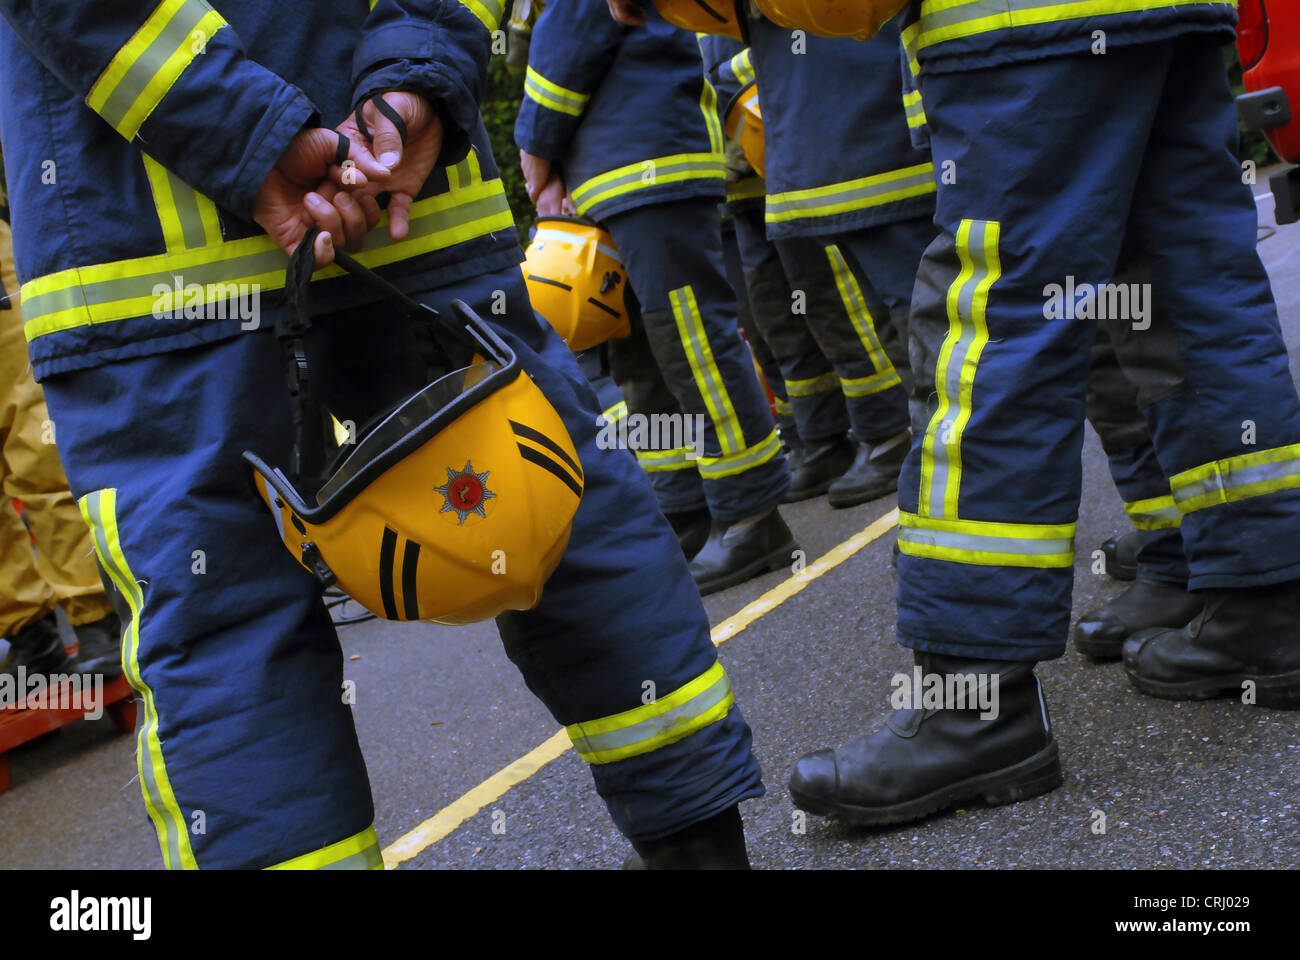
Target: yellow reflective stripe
{"points": [[909, 38], [488, 12], [983, 543], [99, 509], [358, 852], [855, 304], [709, 107], [813, 385], [615, 413], [125, 289], [147, 65], [188, 218], [662, 461], [866, 386], [913, 108], [553, 96], [949, 19], [746, 189], [742, 67], [860, 194], [783, 408], [1237, 478], [689, 708], [714, 468], [648, 173], [708, 378], [1154, 513], [977, 248]]}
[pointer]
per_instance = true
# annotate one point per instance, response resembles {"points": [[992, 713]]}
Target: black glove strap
{"points": [[384, 107]]}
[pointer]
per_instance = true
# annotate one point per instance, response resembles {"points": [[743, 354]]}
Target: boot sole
{"points": [[1029, 778], [779, 559], [1279, 691], [1100, 651], [802, 495], [858, 497]]}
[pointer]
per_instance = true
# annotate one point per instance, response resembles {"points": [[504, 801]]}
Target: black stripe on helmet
{"points": [[410, 561], [528, 433], [550, 466], [547, 280], [608, 309], [387, 554]]}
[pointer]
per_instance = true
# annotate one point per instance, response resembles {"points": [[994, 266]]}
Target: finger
{"points": [[359, 168], [625, 11], [371, 209], [385, 139], [399, 215], [323, 250], [324, 215], [353, 217]]}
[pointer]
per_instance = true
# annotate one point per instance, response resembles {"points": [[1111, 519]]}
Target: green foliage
{"points": [[500, 107]]}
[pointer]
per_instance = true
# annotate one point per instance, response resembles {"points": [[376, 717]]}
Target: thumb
{"points": [[385, 138]]}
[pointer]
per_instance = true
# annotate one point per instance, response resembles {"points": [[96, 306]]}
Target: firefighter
{"points": [[850, 215], [1125, 378], [778, 312], [1133, 129], [61, 572], [624, 123], [188, 159]]}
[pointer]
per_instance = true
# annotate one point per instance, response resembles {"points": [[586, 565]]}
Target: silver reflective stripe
{"points": [[659, 726], [973, 543], [647, 174], [162, 813], [368, 859], [711, 468], [781, 206], [957, 359], [563, 236], [1243, 477], [139, 74]]}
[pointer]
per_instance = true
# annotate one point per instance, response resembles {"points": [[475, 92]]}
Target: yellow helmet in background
{"points": [[702, 16], [859, 19], [455, 506], [745, 126], [576, 281]]}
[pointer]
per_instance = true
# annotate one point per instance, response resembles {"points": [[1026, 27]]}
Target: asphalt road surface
{"points": [[441, 710]]}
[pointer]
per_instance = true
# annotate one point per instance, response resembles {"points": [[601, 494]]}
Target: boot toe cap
{"points": [[815, 775]]}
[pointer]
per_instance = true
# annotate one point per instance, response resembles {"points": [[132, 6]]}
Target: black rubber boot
{"points": [[927, 760], [1245, 643], [714, 844], [874, 472], [821, 464], [743, 551], [692, 528], [1101, 633], [1121, 555], [99, 647], [39, 648]]}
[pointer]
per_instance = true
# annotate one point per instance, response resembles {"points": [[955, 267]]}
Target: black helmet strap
{"points": [[310, 419]]}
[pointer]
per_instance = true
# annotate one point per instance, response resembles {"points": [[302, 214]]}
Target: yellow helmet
{"points": [[859, 19], [455, 506], [576, 281], [702, 16], [745, 126]]}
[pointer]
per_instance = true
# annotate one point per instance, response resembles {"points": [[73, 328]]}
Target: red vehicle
{"points": [[1268, 39]]}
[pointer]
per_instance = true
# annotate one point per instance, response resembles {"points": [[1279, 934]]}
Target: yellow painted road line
{"points": [[458, 811]]}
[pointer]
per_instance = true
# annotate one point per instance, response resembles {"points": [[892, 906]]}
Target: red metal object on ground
{"points": [[42, 713]]}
